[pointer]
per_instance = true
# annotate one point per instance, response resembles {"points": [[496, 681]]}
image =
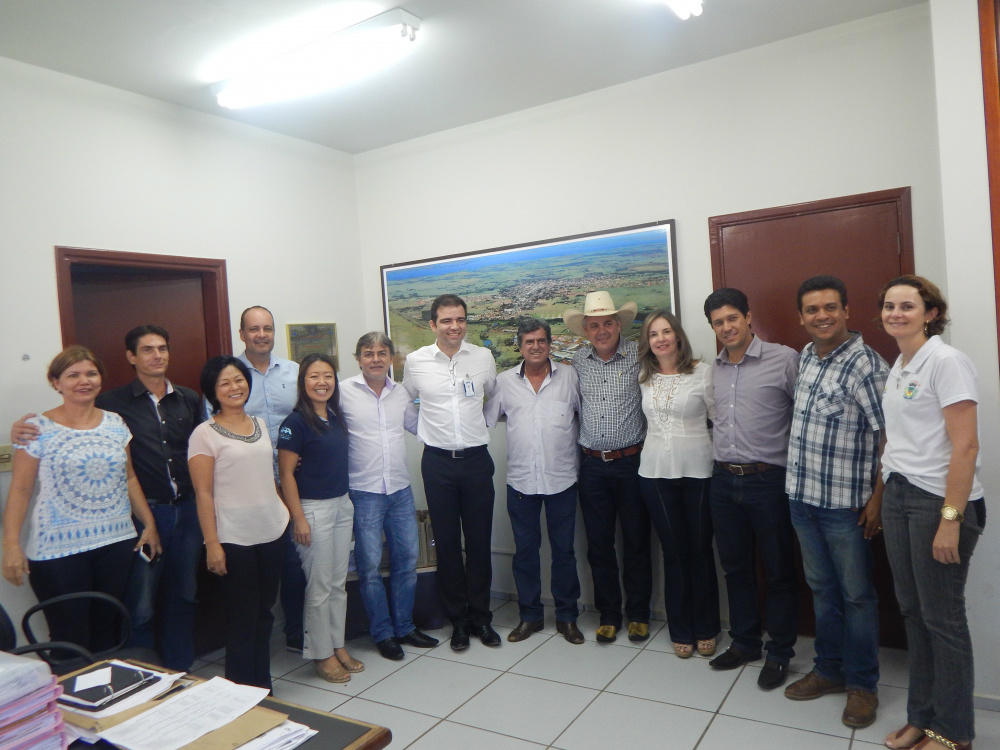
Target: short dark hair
{"points": [[210, 377], [819, 284], [372, 339], [726, 296], [931, 296], [133, 336], [243, 315], [530, 325], [447, 300]]}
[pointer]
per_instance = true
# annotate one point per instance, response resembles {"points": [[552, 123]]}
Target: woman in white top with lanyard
{"points": [[241, 515], [933, 511], [674, 472]]}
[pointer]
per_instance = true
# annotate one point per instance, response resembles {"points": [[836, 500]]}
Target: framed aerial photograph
{"points": [[538, 279], [307, 338]]}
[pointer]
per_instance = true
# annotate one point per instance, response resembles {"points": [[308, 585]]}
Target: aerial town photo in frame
{"points": [[539, 279]]}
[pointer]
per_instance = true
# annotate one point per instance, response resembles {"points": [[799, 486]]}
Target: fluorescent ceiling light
{"points": [[685, 8], [302, 63]]}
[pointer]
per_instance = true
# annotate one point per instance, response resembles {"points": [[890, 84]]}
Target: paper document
{"points": [[186, 717], [283, 737], [92, 679]]}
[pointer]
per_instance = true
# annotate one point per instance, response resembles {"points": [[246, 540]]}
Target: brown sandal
{"points": [[351, 664], [338, 674], [683, 650], [707, 647]]}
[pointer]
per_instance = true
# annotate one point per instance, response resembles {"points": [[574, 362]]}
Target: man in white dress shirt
{"points": [[541, 401], [451, 378], [377, 411]]}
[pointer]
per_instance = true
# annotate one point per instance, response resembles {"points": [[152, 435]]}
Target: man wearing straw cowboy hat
{"points": [[611, 434]]}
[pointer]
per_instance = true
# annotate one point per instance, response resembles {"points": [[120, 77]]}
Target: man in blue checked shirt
{"points": [[832, 463]]}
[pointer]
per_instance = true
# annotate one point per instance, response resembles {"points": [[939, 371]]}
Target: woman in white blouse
{"points": [[241, 515], [674, 472]]}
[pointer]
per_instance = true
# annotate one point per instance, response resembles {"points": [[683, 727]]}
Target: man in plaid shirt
{"points": [[832, 463]]}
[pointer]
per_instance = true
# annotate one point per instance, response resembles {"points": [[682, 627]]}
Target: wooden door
{"points": [[104, 294], [866, 240]]}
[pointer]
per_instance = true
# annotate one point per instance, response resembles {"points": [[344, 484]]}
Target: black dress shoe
{"points": [[487, 635], [772, 675], [418, 639], [460, 638], [732, 658], [390, 649]]}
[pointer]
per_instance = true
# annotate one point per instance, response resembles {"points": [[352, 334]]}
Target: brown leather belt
{"points": [[744, 469], [612, 455]]}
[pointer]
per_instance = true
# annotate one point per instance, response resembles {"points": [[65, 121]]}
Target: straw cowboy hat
{"points": [[599, 303]]}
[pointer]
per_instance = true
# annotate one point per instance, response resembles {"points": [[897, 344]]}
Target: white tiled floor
{"points": [[546, 693]]}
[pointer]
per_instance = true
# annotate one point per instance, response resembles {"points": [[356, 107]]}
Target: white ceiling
{"points": [[473, 59]]}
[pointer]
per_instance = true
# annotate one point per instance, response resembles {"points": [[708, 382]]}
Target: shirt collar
{"points": [[139, 388], [272, 362], [464, 347], [360, 382], [552, 368], [840, 351], [754, 350], [933, 343], [618, 351]]}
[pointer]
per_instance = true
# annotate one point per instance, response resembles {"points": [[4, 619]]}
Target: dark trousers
{"points": [[680, 512], [105, 569], [250, 588], [293, 588], [932, 600], [560, 521], [750, 514], [460, 499], [609, 492]]}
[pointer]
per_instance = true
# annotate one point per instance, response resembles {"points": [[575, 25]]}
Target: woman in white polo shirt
{"points": [[933, 511]]}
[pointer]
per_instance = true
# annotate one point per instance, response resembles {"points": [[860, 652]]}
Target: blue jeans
{"points": [[170, 579], [396, 515], [751, 517], [932, 599], [609, 492], [838, 565], [560, 521], [679, 510]]}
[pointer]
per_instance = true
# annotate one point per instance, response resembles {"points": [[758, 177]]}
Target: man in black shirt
{"points": [[161, 417]]}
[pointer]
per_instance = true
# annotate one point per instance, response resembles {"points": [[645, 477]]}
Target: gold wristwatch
{"points": [[950, 513]]}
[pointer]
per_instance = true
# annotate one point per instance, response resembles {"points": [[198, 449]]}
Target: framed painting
{"points": [[309, 338], [537, 279]]}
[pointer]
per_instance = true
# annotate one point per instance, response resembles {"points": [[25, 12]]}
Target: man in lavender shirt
{"points": [[377, 410], [754, 390]]}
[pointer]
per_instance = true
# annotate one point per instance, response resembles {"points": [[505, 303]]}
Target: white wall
{"points": [[90, 166], [845, 110], [968, 243]]}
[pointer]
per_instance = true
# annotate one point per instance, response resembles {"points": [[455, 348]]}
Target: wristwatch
{"points": [[950, 513]]}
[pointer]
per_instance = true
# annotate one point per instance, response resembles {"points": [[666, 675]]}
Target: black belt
{"points": [[458, 453], [744, 469], [182, 498], [607, 456]]}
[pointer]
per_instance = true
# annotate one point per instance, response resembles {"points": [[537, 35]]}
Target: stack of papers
{"points": [[29, 716]]}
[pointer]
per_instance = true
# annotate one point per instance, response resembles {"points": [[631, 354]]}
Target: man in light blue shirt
{"points": [[273, 393]]}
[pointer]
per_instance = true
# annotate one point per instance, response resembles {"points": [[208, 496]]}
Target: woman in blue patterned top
{"points": [[81, 535]]}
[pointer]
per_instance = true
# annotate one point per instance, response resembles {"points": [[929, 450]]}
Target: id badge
{"points": [[470, 387]]}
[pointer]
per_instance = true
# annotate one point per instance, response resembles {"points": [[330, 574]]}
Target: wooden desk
{"points": [[334, 732]]}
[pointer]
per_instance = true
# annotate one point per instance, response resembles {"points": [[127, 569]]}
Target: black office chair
{"points": [[8, 642], [60, 664]]}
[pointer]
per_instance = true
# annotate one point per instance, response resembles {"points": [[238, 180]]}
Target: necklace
{"points": [[253, 438]]}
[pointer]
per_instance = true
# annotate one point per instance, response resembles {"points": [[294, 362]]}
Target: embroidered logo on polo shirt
{"points": [[911, 390], [285, 432]]}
